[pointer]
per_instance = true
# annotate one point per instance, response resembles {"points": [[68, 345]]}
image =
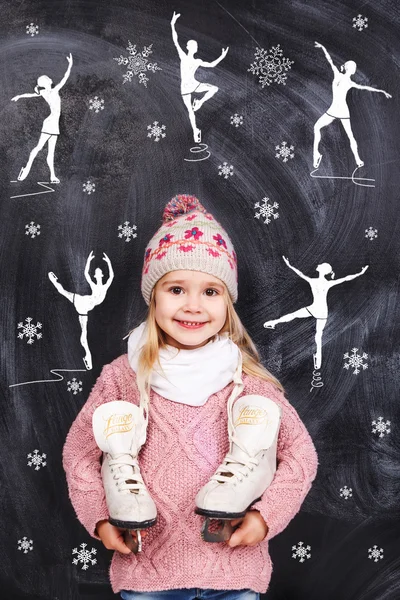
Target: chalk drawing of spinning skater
{"points": [[189, 84], [338, 109], [50, 128], [85, 303], [320, 287]]}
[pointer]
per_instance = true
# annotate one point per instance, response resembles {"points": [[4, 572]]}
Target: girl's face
{"points": [[190, 308]]}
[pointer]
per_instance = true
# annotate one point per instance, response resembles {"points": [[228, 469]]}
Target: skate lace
{"points": [[126, 472], [232, 467]]}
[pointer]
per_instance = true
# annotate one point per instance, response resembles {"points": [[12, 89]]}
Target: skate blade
{"points": [[215, 531], [134, 542]]}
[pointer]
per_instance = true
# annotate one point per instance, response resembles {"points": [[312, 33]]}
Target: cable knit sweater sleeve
{"points": [[81, 456], [297, 468]]}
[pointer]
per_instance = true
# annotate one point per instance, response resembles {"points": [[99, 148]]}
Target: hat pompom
{"points": [[181, 205]]}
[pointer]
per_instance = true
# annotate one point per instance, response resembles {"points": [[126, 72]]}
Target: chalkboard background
{"points": [[350, 519]]}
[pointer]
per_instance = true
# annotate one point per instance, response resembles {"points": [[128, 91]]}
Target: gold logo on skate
{"points": [[118, 423], [251, 415]]}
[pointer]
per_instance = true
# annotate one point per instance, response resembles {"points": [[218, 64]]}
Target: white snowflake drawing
{"points": [[137, 64], [381, 427], [236, 120], [32, 29], [266, 210], [301, 552], [36, 460], [225, 170], [127, 231], [32, 229], [156, 131], [89, 187], [270, 66], [346, 492], [25, 545], [371, 233], [84, 556], [74, 386], [96, 104], [284, 151], [375, 553], [29, 330], [360, 22], [355, 361]]}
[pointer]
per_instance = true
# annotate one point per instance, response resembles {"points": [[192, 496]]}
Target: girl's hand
{"points": [[112, 537], [251, 531], [15, 99]]}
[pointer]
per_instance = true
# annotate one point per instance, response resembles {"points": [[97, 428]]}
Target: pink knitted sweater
{"points": [[184, 446]]}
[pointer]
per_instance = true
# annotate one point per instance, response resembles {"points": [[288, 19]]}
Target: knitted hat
{"points": [[189, 238]]}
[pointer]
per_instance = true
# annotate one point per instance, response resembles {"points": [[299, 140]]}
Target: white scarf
{"points": [[190, 376]]}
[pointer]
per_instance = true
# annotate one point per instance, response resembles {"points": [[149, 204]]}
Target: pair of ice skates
{"points": [[246, 472]]}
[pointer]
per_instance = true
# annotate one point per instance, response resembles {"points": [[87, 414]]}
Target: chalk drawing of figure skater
{"points": [[189, 84], [85, 303], [320, 287], [338, 109], [50, 128]]}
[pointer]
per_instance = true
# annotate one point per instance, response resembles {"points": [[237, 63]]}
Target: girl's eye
{"points": [[213, 292], [175, 290]]}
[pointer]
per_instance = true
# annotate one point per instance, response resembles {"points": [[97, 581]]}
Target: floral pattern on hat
{"points": [[167, 238], [194, 232]]}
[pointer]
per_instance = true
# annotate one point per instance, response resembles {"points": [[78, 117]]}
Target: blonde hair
{"points": [[156, 340]]}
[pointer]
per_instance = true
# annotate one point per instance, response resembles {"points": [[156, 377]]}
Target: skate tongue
{"points": [[118, 428], [256, 421]]}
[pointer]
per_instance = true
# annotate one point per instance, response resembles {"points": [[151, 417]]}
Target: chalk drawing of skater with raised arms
{"points": [[339, 109], [50, 128], [189, 84], [320, 287], [85, 303]]}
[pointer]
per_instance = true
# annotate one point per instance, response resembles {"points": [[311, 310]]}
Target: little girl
{"points": [[189, 282]]}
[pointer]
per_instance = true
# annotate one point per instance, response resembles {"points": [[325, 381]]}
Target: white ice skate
{"points": [[119, 429], [247, 470]]}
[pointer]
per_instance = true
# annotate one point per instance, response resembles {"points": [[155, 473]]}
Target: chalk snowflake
{"points": [[32, 29], [29, 330], [381, 427], [270, 66], [127, 231], [355, 361], [36, 460], [25, 545], [375, 553], [84, 556], [74, 386], [137, 64], [89, 187], [96, 104], [284, 151], [32, 229], [371, 233], [225, 170], [346, 492], [236, 120], [156, 131], [266, 210], [301, 552], [360, 22]]}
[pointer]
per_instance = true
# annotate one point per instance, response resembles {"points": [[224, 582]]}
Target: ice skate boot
{"points": [[119, 429], [246, 471]]}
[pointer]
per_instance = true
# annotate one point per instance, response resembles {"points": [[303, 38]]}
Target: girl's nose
{"points": [[193, 304]]}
